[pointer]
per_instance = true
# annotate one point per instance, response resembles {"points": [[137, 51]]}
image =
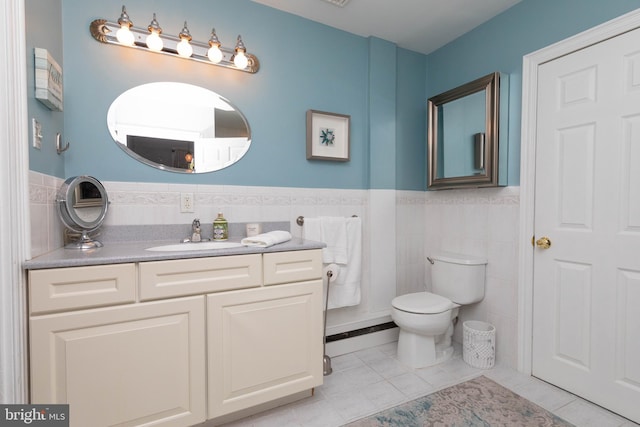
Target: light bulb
{"points": [[154, 42], [125, 36], [184, 47], [214, 53], [240, 60]]}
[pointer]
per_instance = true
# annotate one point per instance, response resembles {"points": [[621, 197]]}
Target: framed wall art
{"points": [[327, 136]]}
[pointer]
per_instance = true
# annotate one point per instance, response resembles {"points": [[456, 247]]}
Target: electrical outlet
{"points": [[36, 132], [186, 202]]}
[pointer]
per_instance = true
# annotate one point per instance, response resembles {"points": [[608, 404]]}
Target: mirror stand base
{"points": [[84, 243]]}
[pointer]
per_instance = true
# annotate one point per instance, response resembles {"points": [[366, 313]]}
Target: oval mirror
{"points": [[82, 206], [178, 127]]}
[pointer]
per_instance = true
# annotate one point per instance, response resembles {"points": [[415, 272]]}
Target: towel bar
{"points": [[300, 220]]}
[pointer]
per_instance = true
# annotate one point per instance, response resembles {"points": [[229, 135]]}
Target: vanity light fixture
{"points": [[152, 39]]}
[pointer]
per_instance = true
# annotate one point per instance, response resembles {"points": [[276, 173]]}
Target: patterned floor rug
{"points": [[477, 402]]}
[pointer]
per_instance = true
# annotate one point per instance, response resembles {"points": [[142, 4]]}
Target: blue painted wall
{"points": [[40, 33], [500, 44], [305, 65], [382, 114], [411, 122]]}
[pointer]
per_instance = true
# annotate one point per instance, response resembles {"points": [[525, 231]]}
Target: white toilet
{"points": [[426, 319]]}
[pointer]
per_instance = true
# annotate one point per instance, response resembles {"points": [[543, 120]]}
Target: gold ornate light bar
{"points": [[116, 32]]}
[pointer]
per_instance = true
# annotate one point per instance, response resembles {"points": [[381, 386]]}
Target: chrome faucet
{"points": [[195, 231]]}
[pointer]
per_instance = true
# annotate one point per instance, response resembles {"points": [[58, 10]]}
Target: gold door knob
{"points": [[543, 243]]}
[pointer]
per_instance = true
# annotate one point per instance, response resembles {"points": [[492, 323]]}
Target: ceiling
{"points": [[417, 25]]}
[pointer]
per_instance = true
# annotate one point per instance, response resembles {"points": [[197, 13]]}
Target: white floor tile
{"points": [[346, 361], [388, 367], [369, 381], [352, 406], [411, 385], [545, 395], [362, 376], [318, 414], [383, 395], [371, 355], [461, 370], [584, 414], [436, 376]]}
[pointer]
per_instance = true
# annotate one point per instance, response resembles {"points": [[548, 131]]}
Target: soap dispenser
{"points": [[220, 228]]}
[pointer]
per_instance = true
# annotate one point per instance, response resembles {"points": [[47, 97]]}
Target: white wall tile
{"points": [[46, 228], [481, 222], [382, 251], [400, 229]]}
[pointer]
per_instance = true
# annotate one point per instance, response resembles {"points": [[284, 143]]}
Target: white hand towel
{"points": [[312, 229], [265, 240], [334, 234], [345, 291]]}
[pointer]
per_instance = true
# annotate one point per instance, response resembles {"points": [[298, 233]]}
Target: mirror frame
{"points": [[490, 84], [69, 198]]}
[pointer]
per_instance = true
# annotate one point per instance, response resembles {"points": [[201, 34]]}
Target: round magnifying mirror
{"points": [[82, 206]]}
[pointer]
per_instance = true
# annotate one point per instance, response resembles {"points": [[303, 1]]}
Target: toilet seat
{"points": [[422, 303]]}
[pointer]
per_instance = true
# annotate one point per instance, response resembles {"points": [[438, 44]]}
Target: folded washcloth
{"points": [[265, 240]]}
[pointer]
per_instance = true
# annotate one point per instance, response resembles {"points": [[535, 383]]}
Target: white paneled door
{"points": [[586, 328]]}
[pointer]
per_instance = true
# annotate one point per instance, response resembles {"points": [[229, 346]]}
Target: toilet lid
{"points": [[422, 303]]}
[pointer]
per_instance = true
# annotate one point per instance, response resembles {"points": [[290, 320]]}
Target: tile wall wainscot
{"points": [[411, 229], [478, 222], [482, 222], [46, 228], [157, 203]]}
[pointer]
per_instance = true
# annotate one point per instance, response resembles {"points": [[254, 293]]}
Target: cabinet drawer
{"points": [[163, 279], [72, 288], [295, 266]]}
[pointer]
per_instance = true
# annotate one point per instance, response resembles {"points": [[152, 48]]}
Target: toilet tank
{"points": [[458, 277]]}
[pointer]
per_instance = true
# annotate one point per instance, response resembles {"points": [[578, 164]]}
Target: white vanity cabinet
{"points": [[175, 342]]}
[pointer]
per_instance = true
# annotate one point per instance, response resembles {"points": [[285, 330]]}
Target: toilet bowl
{"points": [[426, 319], [426, 326]]}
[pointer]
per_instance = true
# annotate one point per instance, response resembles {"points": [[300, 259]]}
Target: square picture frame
{"points": [[328, 136]]}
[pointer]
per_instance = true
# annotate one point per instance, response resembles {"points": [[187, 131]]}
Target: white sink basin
{"points": [[200, 246]]}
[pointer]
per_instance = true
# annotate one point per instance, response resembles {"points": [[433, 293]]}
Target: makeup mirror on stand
{"points": [[82, 206]]}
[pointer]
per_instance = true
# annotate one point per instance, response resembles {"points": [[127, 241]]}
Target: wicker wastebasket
{"points": [[479, 344]]}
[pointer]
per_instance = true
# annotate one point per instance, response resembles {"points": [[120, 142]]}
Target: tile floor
{"points": [[368, 381]]}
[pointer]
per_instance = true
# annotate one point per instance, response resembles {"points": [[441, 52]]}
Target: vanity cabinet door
{"points": [[128, 365], [263, 344]]}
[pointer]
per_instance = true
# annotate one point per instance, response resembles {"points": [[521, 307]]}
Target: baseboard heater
{"points": [[361, 331]]}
